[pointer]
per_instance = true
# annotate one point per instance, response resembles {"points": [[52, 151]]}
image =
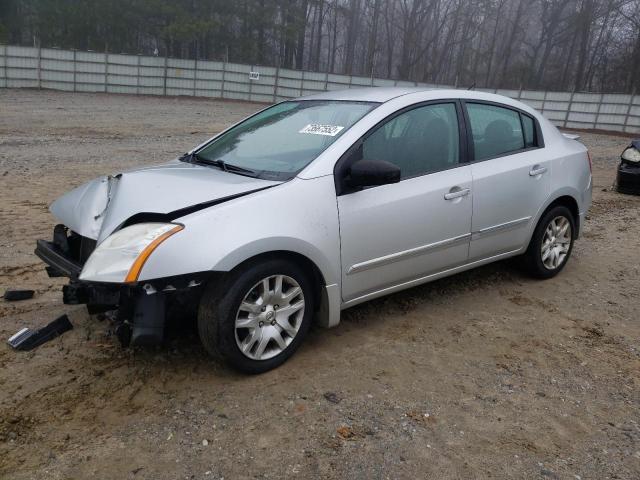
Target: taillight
{"points": [[590, 166]]}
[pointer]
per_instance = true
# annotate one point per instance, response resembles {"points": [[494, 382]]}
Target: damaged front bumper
{"points": [[141, 308]]}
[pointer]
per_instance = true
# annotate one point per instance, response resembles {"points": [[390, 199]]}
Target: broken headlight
{"points": [[631, 155], [121, 256]]}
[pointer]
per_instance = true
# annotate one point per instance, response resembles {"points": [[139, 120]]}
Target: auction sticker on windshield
{"points": [[317, 129]]}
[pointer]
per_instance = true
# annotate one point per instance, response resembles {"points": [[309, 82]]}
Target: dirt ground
{"points": [[486, 374]]}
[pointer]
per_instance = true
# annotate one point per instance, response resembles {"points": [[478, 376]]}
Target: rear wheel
{"points": [[257, 317], [551, 244]]}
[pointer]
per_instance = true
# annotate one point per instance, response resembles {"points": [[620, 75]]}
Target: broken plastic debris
{"points": [[15, 295], [27, 339]]}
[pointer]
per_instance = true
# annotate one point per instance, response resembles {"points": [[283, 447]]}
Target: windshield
{"points": [[280, 141]]}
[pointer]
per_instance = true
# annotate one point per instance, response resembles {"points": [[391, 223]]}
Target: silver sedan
{"points": [[314, 205]]}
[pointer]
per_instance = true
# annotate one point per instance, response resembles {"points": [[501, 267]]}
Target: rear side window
{"points": [[496, 130], [529, 131]]}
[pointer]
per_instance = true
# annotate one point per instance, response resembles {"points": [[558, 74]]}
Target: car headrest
{"points": [[498, 131], [437, 129]]}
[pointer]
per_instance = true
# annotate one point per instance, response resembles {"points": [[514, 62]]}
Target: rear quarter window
{"points": [[529, 128]]}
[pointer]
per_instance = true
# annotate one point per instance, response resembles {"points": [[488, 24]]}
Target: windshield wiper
{"points": [[227, 167], [190, 157], [195, 158]]}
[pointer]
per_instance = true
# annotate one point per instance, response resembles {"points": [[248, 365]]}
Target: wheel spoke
{"points": [[250, 322], [563, 230], [291, 294], [277, 337], [264, 290], [291, 309], [250, 341], [277, 291], [249, 307], [284, 324], [262, 345]]}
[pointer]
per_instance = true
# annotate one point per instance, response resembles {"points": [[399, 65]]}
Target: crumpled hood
{"points": [[99, 207]]}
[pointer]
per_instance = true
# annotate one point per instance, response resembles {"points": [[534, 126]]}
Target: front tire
{"points": [[258, 316], [551, 244]]}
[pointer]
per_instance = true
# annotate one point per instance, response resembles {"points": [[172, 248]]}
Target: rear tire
{"points": [[257, 316], [551, 244]]}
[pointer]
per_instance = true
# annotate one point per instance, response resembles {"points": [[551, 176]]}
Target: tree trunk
{"points": [[318, 43], [492, 47], [352, 35], [373, 37], [510, 42], [584, 26], [301, 27]]}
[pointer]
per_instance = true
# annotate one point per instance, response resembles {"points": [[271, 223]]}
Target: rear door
{"points": [[391, 234], [511, 177]]}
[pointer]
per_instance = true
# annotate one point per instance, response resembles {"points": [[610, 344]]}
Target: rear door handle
{"points": [[453, 194], [537, 170]]}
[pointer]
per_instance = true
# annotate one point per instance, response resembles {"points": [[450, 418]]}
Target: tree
{"points": [[552, 44]]}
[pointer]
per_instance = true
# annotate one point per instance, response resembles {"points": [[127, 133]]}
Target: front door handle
{"points": [[537, 170], [457, 192]]}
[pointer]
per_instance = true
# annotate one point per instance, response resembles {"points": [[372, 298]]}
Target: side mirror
{"points": [[369, 173]]}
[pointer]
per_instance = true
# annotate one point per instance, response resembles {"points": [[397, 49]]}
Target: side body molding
{"points": [[414, 252]]}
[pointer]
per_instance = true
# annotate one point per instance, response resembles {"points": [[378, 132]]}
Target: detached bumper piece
{"points": [[16, 295], [66, 253], [58, 264], [628, 179], [27, 339]]}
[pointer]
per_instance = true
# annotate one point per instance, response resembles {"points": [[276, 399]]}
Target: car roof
{"points": [[386, 94], [367, 94]]}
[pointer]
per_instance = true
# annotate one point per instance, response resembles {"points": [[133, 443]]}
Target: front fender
{"points": [[299, 216], [282, 244]]}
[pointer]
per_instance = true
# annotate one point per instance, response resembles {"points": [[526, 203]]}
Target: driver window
{"points": [[420, 141]]}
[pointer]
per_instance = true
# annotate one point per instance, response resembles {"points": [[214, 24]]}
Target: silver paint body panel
{"points": [[160, 189], [388, 235], [365, 244]]}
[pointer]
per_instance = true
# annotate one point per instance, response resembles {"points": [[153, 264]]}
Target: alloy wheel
{"points": [[556, 242], [269, 317]]}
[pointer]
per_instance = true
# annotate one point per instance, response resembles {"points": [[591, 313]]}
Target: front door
{"points": [[397, 233]]}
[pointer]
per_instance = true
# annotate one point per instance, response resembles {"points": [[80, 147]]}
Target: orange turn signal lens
{"points": [[136, 268]]}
